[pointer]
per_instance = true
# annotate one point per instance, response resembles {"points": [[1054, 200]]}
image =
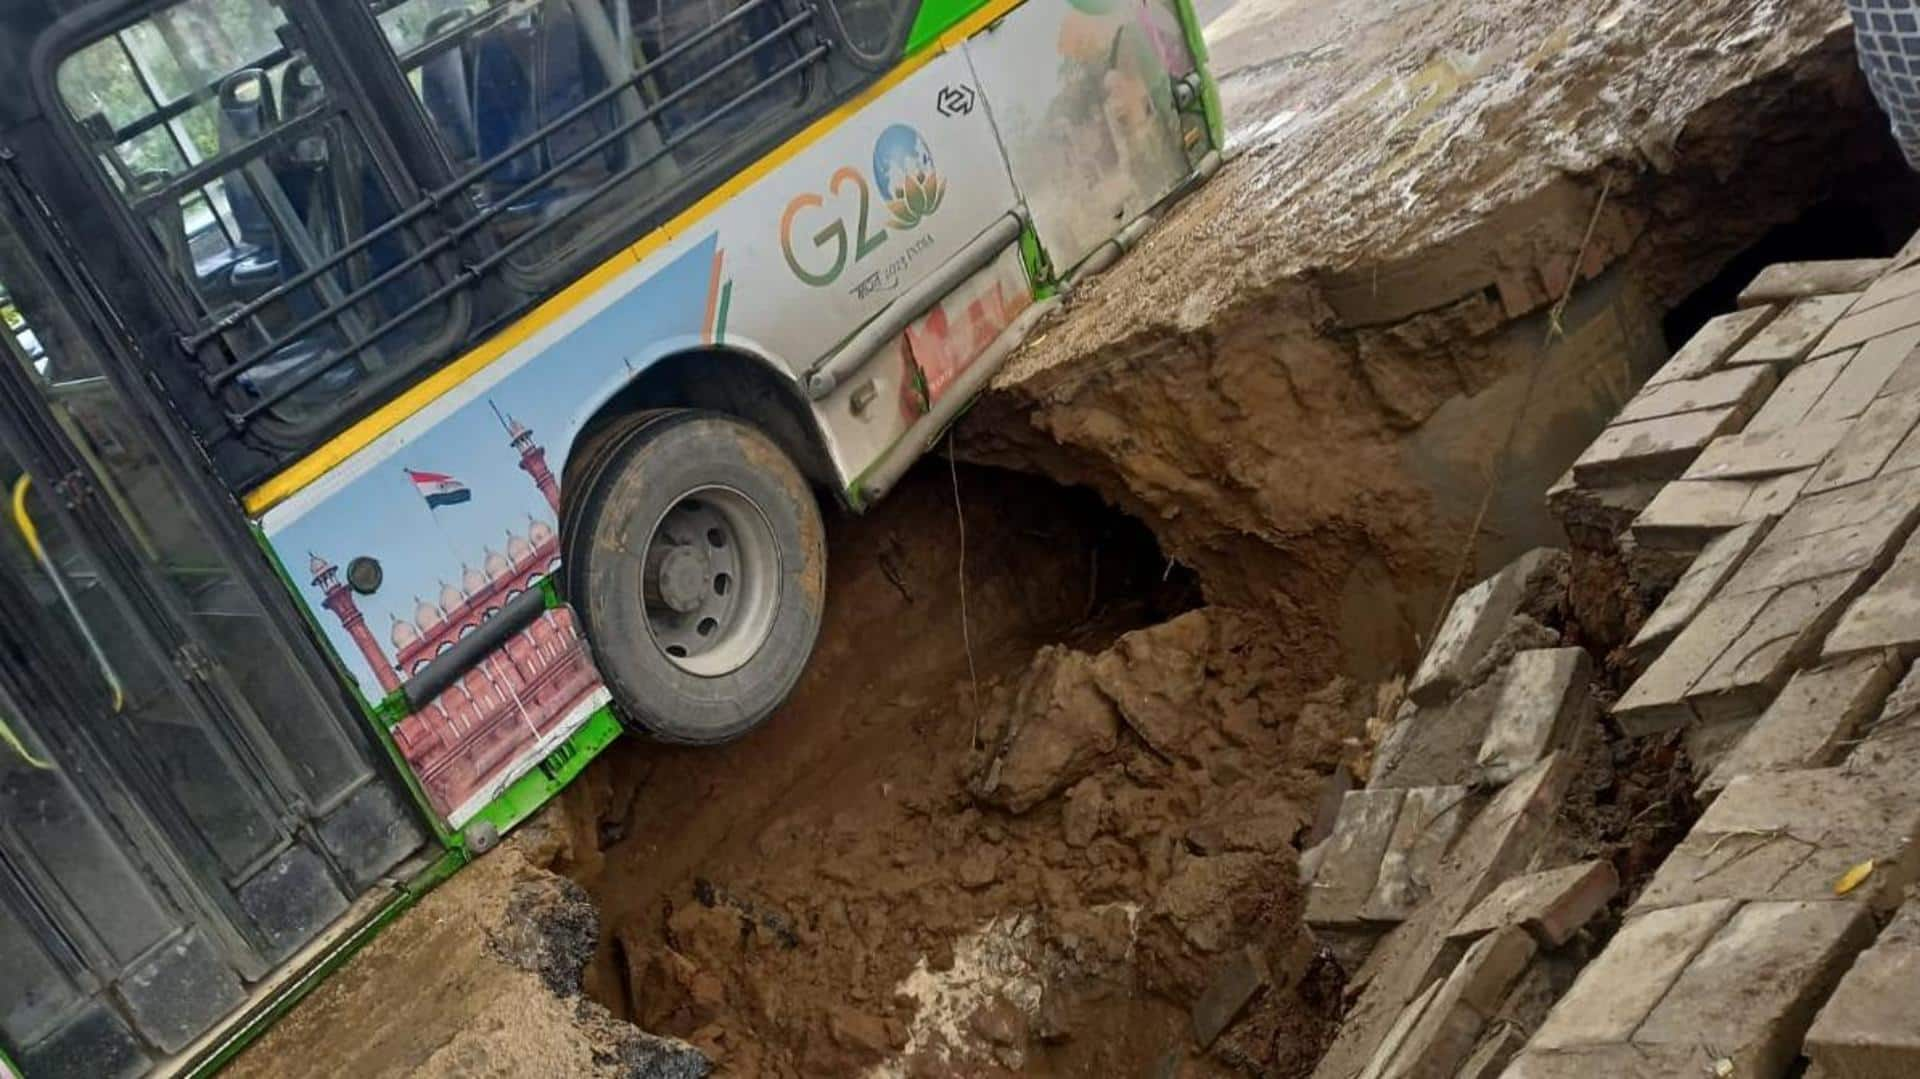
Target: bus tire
{"points": [[700, 568]]}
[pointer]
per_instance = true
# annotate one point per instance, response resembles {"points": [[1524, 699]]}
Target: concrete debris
{"points": [[1552, 905], [1430, 819]]}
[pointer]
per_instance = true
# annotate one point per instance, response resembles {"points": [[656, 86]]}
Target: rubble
{"points": [[1552, 905], [1478, 619]]}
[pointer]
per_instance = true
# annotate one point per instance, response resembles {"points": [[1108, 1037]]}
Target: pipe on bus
{"points": [[867, 342], [927, 429], [450, 666], [1122, 242]]}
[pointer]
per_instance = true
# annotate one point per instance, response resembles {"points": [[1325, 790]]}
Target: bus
{"points": [[407, 396]]}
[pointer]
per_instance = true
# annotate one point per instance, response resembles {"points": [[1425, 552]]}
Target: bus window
{"points": [[223, 141], [872, 28], [578, 113]]}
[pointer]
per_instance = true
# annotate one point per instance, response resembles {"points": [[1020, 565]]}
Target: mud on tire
{"points": [[696, 562]]}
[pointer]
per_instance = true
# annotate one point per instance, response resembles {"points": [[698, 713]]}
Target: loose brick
{"points": [[1614, 1062], [1242, 977], [1741, 387], [1786, 836], [1798, 393], [1475, 622], [1351, 864], [1396, 1036], [1430, 819], [1869, 1028], [1874, 438], [1865, 378], [1652, 449], [1449, 1026], [1698, 585], [1496, 1050], [1619, 989], [1499, 843], [1808, 724], [1545, 701], [1788, 339], [1752, 992], [1552, 906], [1767, 453], [1718, 339], [1787, 281]]}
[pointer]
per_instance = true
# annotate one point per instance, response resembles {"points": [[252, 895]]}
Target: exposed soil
{"points": [[872, 883]]}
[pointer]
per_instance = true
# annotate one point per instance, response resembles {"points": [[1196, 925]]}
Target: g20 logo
{"points": [[910, 189]]}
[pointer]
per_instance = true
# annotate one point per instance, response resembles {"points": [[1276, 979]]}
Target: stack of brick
{"points": [[1788, 640], [1423, 886]]}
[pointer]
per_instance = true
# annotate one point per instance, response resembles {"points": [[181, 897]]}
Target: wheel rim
{"points": [[711, 581]]}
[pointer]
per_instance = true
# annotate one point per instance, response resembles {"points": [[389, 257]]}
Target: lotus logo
{"points": [[903, 170]]}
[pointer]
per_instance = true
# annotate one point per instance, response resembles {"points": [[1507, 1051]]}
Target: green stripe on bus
{"points": [[936, 17]]}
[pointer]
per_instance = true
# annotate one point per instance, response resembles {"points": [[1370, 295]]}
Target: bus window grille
{"points": [[472, 273], [463, 187]]}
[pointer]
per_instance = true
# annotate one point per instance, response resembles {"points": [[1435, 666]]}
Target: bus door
{"points": [[1098, 108], [182, 807]]}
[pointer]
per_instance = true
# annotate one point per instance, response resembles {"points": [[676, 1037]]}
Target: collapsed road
{"points": [[1090, 687]]}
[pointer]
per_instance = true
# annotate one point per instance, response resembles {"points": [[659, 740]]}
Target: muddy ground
{"points": [[1028, 806]]}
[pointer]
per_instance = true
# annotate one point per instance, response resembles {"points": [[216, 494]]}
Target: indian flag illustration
{"points": [[439, 490]]}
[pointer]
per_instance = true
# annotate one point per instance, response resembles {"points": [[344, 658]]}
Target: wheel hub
{"points": [[683, 579]]}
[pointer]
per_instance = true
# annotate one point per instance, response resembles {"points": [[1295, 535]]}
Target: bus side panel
{"points": [[1083, 94], [459, 503]]}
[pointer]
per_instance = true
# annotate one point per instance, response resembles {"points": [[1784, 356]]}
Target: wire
{"points": [[966, 631]]}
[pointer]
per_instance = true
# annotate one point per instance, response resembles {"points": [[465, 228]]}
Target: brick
{"points": [[1788, 338], [1687, 514], [1906, 377], [1887, 287], [1860, 527], [1807, 726], [1786, 281], [1798, 393], [1767, 453], [1619, 989], [1496, 1050], [1887, 615], [1865, 377], [1652, 449], [1890, 748], [1785, 635], [1435, 746], [1869, 1028], [1614, 1062], [1449, 1026], [1874, 438], [1786, 836], [1707, 350], [1499, 844], [1545, 702], [1396, 1036], [1657, 700], [1740, 387], [1698, 585], [1351, 863], [1430, 819], [1752, 992], [1552, 906], [1474, 622], [1876, 322], [1242, 977]]}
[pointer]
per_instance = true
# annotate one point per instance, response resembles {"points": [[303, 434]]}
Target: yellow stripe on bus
{"points": [[362, 433]]}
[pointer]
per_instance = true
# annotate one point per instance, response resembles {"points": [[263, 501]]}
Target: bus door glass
{"points": [[164, 661]]}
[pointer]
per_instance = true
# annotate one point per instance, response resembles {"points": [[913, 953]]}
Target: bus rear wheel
{"points": [[698, 569]]}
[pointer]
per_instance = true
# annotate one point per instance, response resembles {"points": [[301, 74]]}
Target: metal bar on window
{"points": [[460, 184], [232, 161], [472, 273]]}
